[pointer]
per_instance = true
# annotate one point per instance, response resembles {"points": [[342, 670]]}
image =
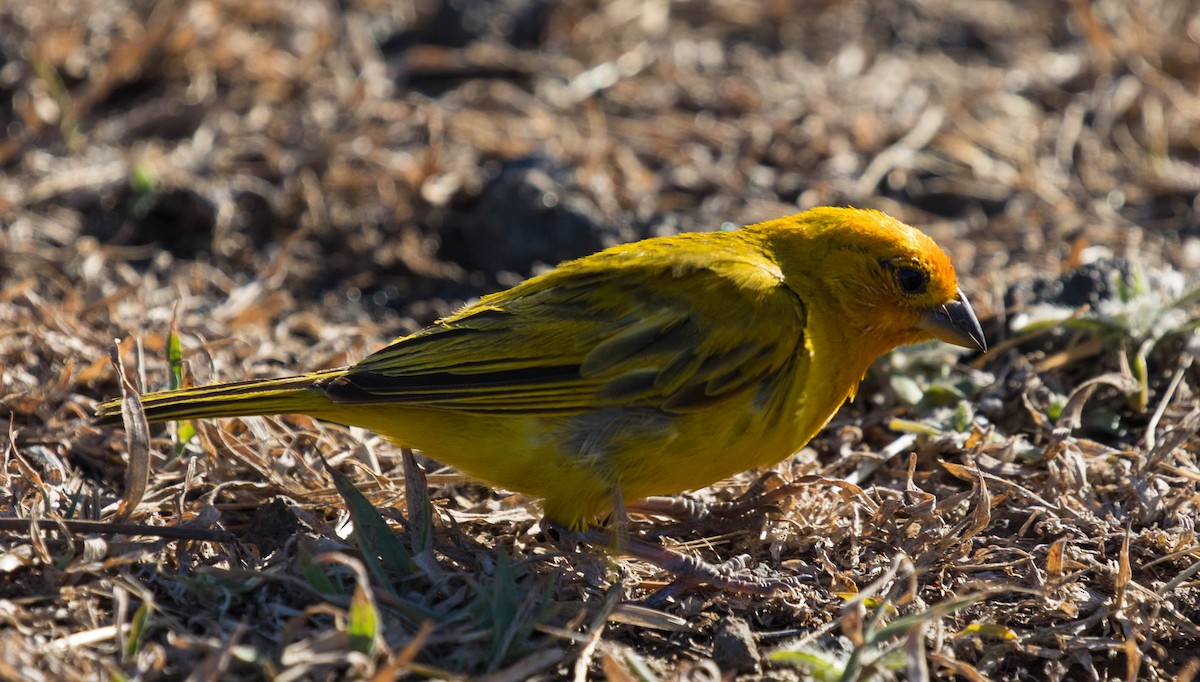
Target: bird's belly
{"points": [[578, 463], [522, 453]]}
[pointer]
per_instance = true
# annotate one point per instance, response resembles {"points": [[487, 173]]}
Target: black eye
{"points": [[912, 280]]}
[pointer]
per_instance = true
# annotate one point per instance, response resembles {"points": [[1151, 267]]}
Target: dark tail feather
{"points": [[238, 399]]}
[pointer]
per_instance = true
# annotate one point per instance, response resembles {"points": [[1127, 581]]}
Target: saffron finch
{"points": [[645, 369]]}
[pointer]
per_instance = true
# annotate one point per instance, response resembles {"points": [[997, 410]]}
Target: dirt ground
{"points": [[292, 184]]}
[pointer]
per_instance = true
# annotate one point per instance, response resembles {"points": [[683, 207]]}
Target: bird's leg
{"points": [[689, 571], [729, 575]]}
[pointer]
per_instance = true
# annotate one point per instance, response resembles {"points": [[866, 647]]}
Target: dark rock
{"points": [[1089, 284], [734, 648], [178, 220], [273, 524], [532, 211], [457, 23]]}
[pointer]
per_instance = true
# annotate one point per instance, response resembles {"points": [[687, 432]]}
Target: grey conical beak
{"points": [[955, 323]]}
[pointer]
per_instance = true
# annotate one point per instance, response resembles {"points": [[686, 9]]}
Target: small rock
{"points": [[273, 524], [734, 648]]}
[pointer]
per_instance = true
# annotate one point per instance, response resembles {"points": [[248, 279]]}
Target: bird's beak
{"points": [[955, 323]]}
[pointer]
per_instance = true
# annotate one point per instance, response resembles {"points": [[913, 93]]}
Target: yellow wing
{"points": [[629, 331]]}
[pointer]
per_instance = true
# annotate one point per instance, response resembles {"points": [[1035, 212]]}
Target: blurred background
{"points": [[411, 154]]}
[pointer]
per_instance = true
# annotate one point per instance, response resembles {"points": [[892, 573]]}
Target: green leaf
{"points": [[964, 416], [504, 605], [316, 576], [175, 358], [939, 610], [420, 509], [137, 630], [910, 426], [381, 550], [990, 630], [185, 431], [821, 665], [364, 625], [143, 180]]}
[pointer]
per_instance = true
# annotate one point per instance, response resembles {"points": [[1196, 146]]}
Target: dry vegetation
{"points": [[294, 183]]}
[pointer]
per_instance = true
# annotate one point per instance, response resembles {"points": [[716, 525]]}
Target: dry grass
{"points": [[290, 185]]}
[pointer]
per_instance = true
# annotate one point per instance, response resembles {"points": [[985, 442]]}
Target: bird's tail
{"points": [[298, 394]]}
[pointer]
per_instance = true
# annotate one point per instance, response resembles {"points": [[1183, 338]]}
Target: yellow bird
{"points": [[644, 369]]}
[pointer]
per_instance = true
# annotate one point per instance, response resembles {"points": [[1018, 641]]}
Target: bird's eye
{"points": [[912, 280]]}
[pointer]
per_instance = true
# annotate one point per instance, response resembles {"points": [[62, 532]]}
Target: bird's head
{"points": [[888, 281]]}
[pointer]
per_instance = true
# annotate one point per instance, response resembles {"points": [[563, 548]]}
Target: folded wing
{"points": [[674, 333]]}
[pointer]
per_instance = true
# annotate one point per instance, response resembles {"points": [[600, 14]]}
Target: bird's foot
{"points": [[763, 496], [689, 571]]}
